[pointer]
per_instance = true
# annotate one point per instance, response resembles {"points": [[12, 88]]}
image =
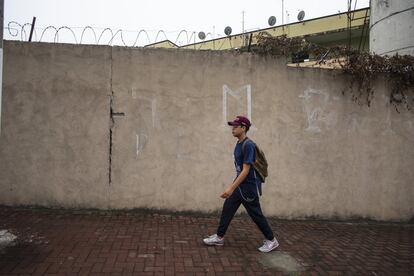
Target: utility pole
{"points": [[1, 52], [283, 11]]}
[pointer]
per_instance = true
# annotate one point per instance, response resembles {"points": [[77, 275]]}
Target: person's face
{"points": [[237, 131]]}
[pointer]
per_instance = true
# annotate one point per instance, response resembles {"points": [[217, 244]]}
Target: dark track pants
{"points": [[253, 208]]}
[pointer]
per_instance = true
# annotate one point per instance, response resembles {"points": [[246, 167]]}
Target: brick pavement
{"points": [[59, 242]]}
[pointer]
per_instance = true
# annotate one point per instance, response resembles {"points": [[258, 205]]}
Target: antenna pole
{"points": [[243, 22], [243, 31], [214, 37]]}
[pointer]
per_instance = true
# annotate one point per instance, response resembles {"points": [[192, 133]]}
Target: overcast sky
{"points": [[154, 15]]}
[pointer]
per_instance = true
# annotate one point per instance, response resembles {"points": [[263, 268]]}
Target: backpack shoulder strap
{"points": [[244, 144]]}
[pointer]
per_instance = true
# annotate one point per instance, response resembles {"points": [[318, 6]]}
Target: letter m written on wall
{"points": [[237, 102]]}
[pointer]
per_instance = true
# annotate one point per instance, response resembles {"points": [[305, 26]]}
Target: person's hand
{"points": [[227, 193]]}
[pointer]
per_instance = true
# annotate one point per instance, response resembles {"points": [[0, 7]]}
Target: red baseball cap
{"points": [[240, 121]]}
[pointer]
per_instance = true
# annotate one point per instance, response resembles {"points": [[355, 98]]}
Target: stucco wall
{"points": [[54, 138], [168, 145]]}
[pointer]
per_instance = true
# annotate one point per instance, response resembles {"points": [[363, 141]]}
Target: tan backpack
{"points": [[260, 164]]}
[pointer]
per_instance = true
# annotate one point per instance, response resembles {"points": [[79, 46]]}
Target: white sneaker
{"points": [[213, 240], [269, 245]]}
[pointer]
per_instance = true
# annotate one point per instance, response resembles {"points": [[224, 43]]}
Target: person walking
{"points": [[245, 189]]}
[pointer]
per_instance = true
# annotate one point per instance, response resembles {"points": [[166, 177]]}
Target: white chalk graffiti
{"points": [[153, 104], [242, 104], [141, 142], [315, 103], [145, 118]]}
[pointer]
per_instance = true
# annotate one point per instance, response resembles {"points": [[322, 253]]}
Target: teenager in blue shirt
{"points": [[245, 189]]}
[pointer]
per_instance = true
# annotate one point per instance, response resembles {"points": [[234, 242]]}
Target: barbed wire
{"points": [[100, 36]]}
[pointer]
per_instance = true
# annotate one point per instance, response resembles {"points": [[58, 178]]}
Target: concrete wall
{"points": [[392, 27], [54, 138], [168, 145]]}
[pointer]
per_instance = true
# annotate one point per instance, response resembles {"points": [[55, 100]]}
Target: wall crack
{"points": [[112, 115]]}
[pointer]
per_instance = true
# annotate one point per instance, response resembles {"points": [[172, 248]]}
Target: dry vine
{"points": [[362, 66]]}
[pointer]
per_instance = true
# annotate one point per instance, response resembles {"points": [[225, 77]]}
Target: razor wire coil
{"points": [[99, 36]]}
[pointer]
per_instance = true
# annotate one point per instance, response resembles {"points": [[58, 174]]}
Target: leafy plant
{"points": [[362, 66]]}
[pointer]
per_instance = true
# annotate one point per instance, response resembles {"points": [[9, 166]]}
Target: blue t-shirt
{"points": [[251, 186]]}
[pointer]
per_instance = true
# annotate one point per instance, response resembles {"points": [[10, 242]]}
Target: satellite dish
{"points": [[227, 30], [201, 35], [271, 21], [301, 15]]}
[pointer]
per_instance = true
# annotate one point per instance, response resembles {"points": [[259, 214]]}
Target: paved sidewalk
{"points": [[58, 242]]}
